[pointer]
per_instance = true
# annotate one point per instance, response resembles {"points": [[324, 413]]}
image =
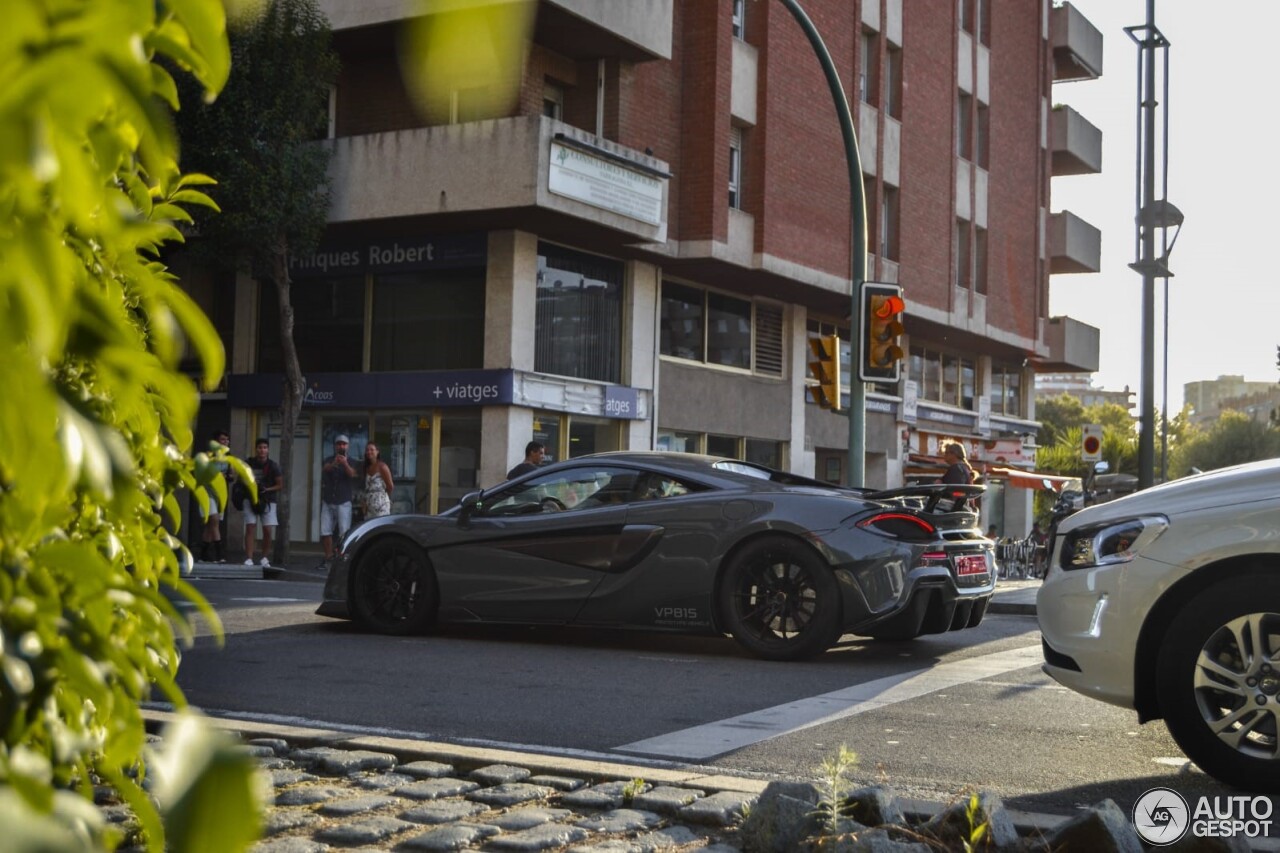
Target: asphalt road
{"points": [[933, 718]]}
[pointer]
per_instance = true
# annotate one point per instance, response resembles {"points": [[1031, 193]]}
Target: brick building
{"points": [[634, 253]]}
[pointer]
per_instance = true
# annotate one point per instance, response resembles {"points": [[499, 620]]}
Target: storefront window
{"points": [[328, 325], [706, 326], [459, 457], [723, 445], [680, 442], [578, 327], [428, 321], [546, 429], [592, 435], [764, 452]]}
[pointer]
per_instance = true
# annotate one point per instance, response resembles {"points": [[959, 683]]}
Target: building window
{"points": [[764, 452], [868, 66], [889, 223], [983, 8], [943, 377], [328, 326], [1006, 390], [578, 325], [739, 18], [968, 15], [552, 100], [892, 103], [705, 326], [982, 153], [964, 126], [679, 442], [428, 321], [964, 257], [735, 168], [980, 260], [724, 445]]}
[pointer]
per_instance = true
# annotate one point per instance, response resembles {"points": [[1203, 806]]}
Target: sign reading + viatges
{"points": [[398, 254]]}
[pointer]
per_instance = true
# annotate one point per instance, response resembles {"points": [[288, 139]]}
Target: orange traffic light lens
{"points": [[889, 306]]}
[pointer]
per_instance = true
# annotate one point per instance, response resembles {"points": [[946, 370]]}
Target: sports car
{"points": [[681, 543]]}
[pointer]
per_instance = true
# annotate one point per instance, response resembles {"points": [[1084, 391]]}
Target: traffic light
{"points": [[880, 347], [826, 369]]}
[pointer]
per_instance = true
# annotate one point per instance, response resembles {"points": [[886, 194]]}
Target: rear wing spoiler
{"points": [[951, 496]]}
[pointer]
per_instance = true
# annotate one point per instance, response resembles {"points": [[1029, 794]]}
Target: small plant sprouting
{"points": [[833, 807], [633, 789], [976, 832]]}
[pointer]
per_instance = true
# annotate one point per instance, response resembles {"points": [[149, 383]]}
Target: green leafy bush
{"points": [[95, 414]]}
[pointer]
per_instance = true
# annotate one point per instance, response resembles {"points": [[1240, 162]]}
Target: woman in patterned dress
{"points": [[377, 483]]}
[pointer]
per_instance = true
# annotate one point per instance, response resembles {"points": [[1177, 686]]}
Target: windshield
{"points": [[761, 472]]}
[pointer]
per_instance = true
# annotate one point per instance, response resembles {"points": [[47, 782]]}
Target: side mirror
{"points": [[1101, 467], [467, 506]]}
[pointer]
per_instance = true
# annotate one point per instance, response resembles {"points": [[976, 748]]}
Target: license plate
{"points": [[971, 564]]}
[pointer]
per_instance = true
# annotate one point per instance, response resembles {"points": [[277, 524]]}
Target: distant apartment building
{"points": [[634, 253], [1080, 386], [1209, 398]]}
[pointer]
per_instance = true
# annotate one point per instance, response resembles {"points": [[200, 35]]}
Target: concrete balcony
{"points": [[1075, 246], [1076, 44], [1073, 346], [746, 73], [502, 164], [636, 30], [1076, 144]]}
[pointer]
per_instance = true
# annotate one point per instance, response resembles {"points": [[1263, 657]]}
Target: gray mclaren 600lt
{"points": [[678, 543]]}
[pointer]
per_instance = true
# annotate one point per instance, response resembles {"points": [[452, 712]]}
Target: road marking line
{"points": [[711, 739]]}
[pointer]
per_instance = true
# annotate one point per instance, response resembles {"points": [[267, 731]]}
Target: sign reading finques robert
{"points": [[393, 254]]}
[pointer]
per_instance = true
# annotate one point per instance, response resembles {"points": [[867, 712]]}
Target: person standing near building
{"points": [[211, 536], [336, 474], [378, 484], [958, 471], [534, 453], [270, 480]]}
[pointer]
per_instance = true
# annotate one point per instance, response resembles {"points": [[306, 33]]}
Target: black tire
{"points": [[780, 600], [393, 588], [1218, 694]]}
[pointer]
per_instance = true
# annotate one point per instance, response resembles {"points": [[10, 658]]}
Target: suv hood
{"points": [[1240, 484]]}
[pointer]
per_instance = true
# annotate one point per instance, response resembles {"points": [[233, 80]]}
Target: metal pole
{"points": [[1147, 108], [858, 250]]}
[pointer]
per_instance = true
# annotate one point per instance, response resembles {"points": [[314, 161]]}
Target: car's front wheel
{"points": [[1219, 682], [393, 589], [780, 600]]}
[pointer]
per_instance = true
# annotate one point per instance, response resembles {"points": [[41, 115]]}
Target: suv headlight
{"points": [[1110, 542]]}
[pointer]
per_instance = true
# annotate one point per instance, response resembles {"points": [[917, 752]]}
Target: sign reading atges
{"points": [[603, 183]]}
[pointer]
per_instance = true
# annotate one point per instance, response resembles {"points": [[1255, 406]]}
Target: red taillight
{"points": [[901, 525]]}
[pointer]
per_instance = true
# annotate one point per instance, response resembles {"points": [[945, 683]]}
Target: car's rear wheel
{"points": [[393, 588], [1219, 682], [780, 600]]}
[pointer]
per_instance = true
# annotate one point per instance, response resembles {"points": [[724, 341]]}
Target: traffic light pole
{"points": [[858, 251]]}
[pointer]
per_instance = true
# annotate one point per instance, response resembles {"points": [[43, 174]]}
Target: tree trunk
{"points": [[291, 400]]}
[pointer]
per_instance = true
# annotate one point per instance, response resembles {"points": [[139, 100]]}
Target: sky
{"points": [[1224, 296]]}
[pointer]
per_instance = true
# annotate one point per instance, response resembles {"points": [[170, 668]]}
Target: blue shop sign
{"points": [[621, 402], [436, 388], [393, 254]]}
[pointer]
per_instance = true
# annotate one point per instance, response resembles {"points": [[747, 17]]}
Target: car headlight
{"points": [[1110, 542]]}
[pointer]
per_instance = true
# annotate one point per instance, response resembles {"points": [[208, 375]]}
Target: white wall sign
{"points": [[603, 183]]}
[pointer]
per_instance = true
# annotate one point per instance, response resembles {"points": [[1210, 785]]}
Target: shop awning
{"points": [[1033, 479]]}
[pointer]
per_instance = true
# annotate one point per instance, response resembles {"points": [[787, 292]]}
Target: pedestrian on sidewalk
{"points": [[270, 480], [534, 453], [336, 475], [378, 484]]}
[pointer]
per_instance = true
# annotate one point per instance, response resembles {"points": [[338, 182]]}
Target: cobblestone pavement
{"points": [[365, 794]]}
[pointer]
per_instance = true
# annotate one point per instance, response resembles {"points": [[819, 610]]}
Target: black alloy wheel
{"points": [[393, 589], [1219, 681], [780, 600]]}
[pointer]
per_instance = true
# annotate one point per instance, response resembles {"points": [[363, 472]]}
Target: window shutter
{"points": [[768, 344]]}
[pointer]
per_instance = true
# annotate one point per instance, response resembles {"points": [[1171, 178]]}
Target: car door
{"points": [[534, 551]]}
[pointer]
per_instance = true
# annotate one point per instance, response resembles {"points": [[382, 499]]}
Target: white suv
{"points": [[1167, 601]]}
